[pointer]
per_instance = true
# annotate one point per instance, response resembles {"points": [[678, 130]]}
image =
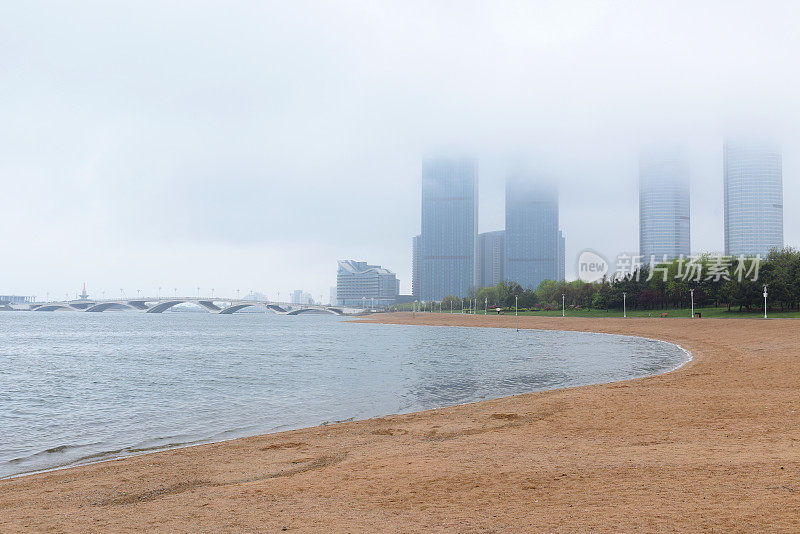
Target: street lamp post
{"points": [[485, 304], [691, 292], [624, 304], [516, 310], [765, 302], [563, 305]]}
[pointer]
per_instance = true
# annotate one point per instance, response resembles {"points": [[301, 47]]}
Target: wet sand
{"points": [[714, 445]]}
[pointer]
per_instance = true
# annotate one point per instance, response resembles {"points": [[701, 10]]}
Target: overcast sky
{"points": [[250, 145]]}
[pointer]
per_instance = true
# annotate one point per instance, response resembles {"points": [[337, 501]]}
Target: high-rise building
{"points": [[416, 266], [753, 178], [301, 297], [449, 227], [358, 283], [491, 258], [562, 257], [663, 205], [531, 230]]}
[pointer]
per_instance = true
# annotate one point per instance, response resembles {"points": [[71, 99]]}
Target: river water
{"points": [[80, 387]]}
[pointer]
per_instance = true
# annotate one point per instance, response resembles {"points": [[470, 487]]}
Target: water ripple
{"points": [[84, 387]]}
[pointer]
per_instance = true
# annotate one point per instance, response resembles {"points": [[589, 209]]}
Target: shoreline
{"points": [[201, 442], [713, 443]]}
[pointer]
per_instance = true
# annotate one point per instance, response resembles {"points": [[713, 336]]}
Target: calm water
{"points": [[79, 387]]}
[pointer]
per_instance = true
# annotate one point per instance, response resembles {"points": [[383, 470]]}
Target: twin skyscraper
{"points": [[753, 202], [451, 258]]}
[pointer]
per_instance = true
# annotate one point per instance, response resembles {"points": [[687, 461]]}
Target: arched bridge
{"points": [[218, 306]]}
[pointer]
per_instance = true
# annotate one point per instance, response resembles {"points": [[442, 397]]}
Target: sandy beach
{"points": [[714, 445]]}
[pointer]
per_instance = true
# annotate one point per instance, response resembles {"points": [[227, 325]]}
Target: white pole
{"points": [[624, 304], [516, 309], [485, 304], [691, 291], [765, 302], [563, 306]]}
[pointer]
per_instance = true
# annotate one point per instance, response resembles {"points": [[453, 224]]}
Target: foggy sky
{"points": [[250, 145]]}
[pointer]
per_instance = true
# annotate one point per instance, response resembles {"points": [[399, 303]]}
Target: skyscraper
{"points": [[663, 205], [449, 227], [562, 257], [531, 230], [416, 266], [753, 178], [491, 258]]}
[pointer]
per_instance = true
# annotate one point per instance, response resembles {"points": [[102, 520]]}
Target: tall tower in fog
{"points": [[562, 257], [532, 242], [491, 258], [753, 175], [416, 266], [663, 205], [449, 227]]}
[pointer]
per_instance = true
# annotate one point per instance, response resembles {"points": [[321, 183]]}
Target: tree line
{"points": [[717, 281]]}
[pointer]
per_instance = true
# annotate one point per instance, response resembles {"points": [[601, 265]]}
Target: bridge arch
{"points": [[164, 306], [103, 306], [242, 305], [53, 307], [334, 311], [233, 309]]}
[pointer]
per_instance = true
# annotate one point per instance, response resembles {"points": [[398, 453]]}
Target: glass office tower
{"points": [[449, 227], [491, 258], [416, 266], [663, 205], [531, 230], [753, 178]]}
